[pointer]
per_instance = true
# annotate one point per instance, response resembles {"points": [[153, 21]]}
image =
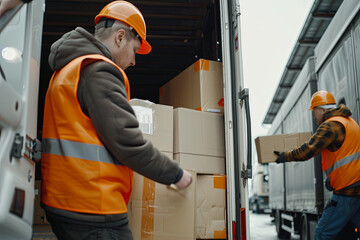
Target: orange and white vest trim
{"points": [[343, 165], [78, 173]]}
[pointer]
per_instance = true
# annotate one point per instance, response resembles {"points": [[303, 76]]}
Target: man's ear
{"points": [[119, 36]]}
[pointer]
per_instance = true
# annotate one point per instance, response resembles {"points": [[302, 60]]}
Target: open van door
{"points": [[20, 45], [237, 123]]}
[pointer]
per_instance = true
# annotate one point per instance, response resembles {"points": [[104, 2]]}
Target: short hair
{"points": [[102, 31]]}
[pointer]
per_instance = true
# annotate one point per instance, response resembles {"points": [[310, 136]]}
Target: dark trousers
{"points": [[70, 229]]}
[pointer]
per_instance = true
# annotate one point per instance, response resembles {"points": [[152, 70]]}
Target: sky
{"points": [[269, 30]]}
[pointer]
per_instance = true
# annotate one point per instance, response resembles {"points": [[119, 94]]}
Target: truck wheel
{"points": [[281, 233], [304, 228]]}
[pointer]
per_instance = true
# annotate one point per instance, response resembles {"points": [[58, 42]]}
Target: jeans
{"points": [[70, 229], [338, 212]]}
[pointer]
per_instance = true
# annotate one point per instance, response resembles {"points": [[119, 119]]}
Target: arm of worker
{"points": [[6, 5], [326, 134], [103, 98]]}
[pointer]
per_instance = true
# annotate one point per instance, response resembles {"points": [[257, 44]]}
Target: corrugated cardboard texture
{"points": [[157, 212], [199, 87], [160, 122], [211, 207], [198, 133], [201, 163], [266, 145]]}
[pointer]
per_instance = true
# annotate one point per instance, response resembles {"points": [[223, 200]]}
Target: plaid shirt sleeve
{"points": [[326, 134]]}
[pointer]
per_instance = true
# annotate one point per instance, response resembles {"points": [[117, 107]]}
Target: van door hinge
{"points": [[17, 146], [236, 14], [244, 93], [32, 149], [246, 173]]}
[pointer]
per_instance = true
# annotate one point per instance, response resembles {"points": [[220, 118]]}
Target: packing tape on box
{"points": [[221, 102], [220, 234], [144, 114], [220, 182], [147, 216], [201, 64]]}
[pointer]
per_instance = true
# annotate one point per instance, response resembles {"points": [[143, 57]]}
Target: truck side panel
{"points": [[340, 72]]}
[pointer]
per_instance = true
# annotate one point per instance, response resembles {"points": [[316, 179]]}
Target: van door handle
{"points": [[244, 96]]}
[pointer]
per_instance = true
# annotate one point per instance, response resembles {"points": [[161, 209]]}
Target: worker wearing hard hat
{"points": [[338, 140], [92, 142]]}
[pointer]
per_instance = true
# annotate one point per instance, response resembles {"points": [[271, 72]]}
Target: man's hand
{"points": [[185, 180], [281, 157], [6, 5]]}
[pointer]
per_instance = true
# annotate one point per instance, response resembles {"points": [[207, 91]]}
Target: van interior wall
{"points": [[179, 31]]}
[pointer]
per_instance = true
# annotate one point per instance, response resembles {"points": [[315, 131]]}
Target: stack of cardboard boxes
{"points": [[196, 140]]}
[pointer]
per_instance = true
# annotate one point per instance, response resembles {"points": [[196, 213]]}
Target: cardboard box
{"points": [[39, 213], [211, 207], [201, 163], [158, 212], [199, 87], [155, 122], [199, 133], [266, 145]]}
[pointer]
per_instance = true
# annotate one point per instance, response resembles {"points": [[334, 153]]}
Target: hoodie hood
{"points": [[341, 110], [74, 44]]}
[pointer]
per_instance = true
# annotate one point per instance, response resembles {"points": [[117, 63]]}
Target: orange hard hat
{"points": [[129, 14], [321, 98]]}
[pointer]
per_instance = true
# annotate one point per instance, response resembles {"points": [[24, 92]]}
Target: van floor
{"points": [[43, 232]]}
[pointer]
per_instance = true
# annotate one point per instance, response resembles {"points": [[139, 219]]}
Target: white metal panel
{"points": [[356, 42], [300, 186], [338, 25], [276, 186], [232, 63], [19, 99], [338, 75], [229, 140], [307, 74], [293, 117]]}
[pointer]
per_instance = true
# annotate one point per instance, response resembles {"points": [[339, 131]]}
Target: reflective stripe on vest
{"points": [[80, 150], [343, 162]]}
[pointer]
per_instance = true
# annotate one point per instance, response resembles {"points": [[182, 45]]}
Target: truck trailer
{"points": [[180, 32], [259, 198], [297, 193]]}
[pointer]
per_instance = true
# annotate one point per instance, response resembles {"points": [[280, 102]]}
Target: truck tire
{"points": [[304, 228], [281, 233]]}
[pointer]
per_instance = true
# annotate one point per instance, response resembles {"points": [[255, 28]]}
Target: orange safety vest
{"points": [[78, 173], [343, 165]]}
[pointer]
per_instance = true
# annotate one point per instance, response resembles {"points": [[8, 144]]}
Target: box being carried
{"points": [[199, 87], [266, 145]]}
